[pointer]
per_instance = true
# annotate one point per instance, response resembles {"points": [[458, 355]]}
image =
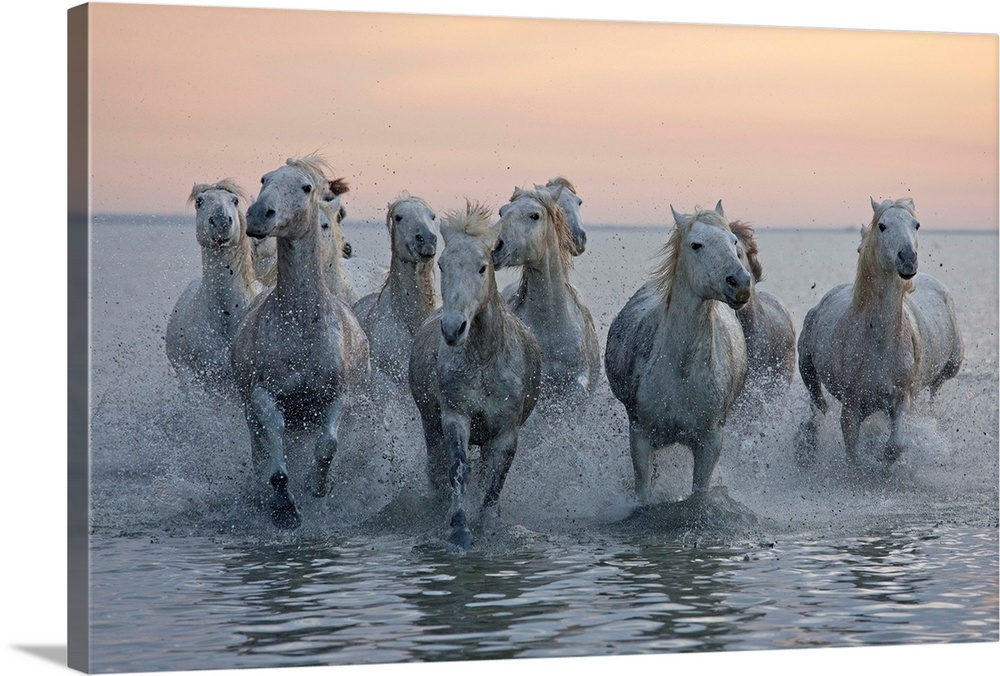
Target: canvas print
{"points": [[410, 338]]}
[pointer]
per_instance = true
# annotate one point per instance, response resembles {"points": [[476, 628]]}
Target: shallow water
{"points": [[186, 575]]}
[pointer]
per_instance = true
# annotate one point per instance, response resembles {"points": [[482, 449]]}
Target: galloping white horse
{"points": [[392, 315], [767, 323], [300, 353], [204, 320], [877, 342], [474, 369], [676, 355], [535, 235]]}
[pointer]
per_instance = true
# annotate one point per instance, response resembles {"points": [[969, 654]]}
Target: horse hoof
{"points": [[284, 513], [460, 535], [285, 517], [892, 453], [461, 538]]}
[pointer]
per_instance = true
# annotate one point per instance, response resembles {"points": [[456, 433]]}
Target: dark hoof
{"points": [[460, 535], [892, 453], [284, 513]]}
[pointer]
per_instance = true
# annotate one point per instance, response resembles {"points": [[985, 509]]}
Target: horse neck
{"points": [[546, 282], [488, 328], [688, 323], [410, 291], [227, 271], [750, 314], [878, 299], [300, 276]]}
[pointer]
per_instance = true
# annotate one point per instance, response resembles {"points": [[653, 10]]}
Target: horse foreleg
{"points": [[642, 461], [706, 456], [267, 425], [897, 443], [455, 430], [499, 453], [326, 446], [850, 425]]}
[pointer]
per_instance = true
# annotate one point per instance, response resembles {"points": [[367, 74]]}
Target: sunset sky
{"points": [[789, 127]]}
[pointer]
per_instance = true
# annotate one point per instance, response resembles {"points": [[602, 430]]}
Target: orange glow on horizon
{"points": [[789, 126]]}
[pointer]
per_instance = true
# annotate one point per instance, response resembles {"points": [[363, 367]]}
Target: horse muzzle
{"points": [[454, 329], [906, 264], [260, 220], [738, 287]]}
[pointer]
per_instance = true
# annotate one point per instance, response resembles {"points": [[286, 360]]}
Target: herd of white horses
{"points": [[279, 322]]}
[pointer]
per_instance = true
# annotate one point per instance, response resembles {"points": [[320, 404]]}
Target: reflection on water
{"points": [[183, 603]]}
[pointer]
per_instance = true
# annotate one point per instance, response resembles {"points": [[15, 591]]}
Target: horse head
{"points": [[287, 196], [467, 279], [218, 220], [525, 226], [708, 256], [893, 234], [411, 229]]}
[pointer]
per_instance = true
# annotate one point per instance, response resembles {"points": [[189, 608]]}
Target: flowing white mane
{"points": [[227, 184], [473, 222]]}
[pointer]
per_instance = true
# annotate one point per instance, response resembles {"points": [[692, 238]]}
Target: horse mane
{"points": [[474, 222], [663, 274], [744, 232], [403, 197], [560, 182], [317, 169], [339, 186], [227, 184], [864, 279]]}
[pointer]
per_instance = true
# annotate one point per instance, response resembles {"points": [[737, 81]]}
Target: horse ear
{"points": [[875, 205], [907, 202], [718, 209], [677, 216]]}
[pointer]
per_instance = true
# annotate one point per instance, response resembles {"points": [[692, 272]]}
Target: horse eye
{"points": [[307, 188], [535, 216], [482, 270], [917, 226], [236, 201], [198, 202], [881, 227], [433, 217], [696, 246], [324, 225], [399, 217]]}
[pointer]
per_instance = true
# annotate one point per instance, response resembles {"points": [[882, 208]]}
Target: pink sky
{"points": [[789, 127]]}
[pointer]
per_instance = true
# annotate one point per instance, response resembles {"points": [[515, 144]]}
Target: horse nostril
{"points": [[420, 239], [269, 213], [499, 245], [731, 281], [461, 329], [229, 221], [211, 221]]}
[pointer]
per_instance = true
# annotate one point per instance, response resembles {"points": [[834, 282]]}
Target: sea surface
{"points": [[187, 574]]}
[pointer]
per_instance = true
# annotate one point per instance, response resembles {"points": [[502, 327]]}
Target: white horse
{"points": [[205, 318], [877, 342], [299, 354], [565, 194], [474, 369], [767, 323], [676, 355], [535, 235], [332, 246], [392, 315]]}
